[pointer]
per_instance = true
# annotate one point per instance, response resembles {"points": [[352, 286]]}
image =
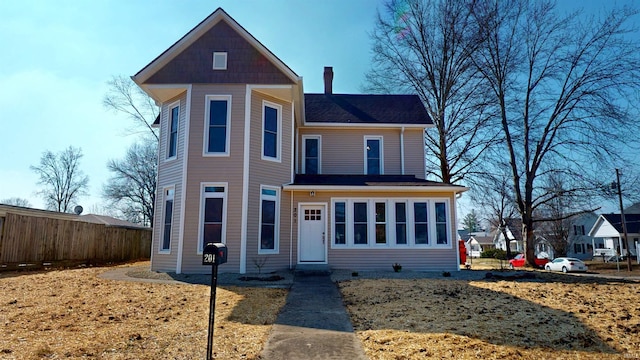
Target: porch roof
{"points": [[632, 222], [368, 182]]}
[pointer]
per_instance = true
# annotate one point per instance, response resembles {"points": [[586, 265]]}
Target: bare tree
{"points": [[62, 178], [16, 201], [132, 187], [124, 96], [425, 47], [560, 84]]}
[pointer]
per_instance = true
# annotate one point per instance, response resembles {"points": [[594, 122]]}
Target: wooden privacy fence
{"points": [[42, 241]]}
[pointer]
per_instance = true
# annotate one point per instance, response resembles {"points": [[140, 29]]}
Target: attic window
{"points": [[219, 61]]}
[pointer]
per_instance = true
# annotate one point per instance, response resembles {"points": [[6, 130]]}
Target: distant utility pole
{"points": [[624, 222]]}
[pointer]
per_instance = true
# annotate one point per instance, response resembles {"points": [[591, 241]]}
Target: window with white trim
{"points": [[360, 223], [168, 219], [213, 214], [311, 152], [174, 118], [441, 223], [373, 155], [381, 222], [269, 220], [219, 60], [271, 131], [401, 223], [217, 125], [340, 223]]}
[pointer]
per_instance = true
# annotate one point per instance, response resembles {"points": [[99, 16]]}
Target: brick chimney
{"points": [[328, 80]]}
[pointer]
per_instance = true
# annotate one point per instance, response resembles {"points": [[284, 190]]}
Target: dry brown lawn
{"points": [[560, 317], [73, 314]]}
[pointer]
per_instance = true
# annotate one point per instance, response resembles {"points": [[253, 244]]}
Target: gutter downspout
{"points": [[183, 200], [291, 232], [402, 150], [245, 180]]}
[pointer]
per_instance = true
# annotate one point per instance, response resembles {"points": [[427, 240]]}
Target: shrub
{"points": [[494, 253]]}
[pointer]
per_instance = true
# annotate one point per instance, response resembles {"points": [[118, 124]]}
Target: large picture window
{"points": [[168, 219], [172, 143], [217, 125], [375, 223], [269, 220], [271, 130], [213, 214]]}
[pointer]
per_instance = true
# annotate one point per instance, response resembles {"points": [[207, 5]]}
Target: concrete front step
{"points": [[312, 270]]}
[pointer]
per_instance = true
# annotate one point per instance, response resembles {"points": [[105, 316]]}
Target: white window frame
{"points": [[304, 152], [208, 99], [168, 193], [391, 223], [276, 236], [220, 55], [366, 163], [170, 116], [278, 108], [205, 195], [375, 223]]}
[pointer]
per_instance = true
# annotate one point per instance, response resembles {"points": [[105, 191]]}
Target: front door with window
{"points": [[312, 233]]}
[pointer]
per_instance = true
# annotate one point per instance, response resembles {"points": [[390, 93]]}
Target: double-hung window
{"points": [[441, 223], [421, 222], [373, 155], [271, 131], [168, 219], [401, 223], [213, 214], [217, 125], [340, 223], [174, 116], [311, 149], [269, 220], [381, 222]]}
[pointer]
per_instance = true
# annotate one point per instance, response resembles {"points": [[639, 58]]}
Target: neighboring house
{"points": [[609, 228], [476, 242], [581, 244], [513, 228], [282, 177]]}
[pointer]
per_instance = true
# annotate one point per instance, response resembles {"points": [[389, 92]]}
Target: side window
{"points": [[168, 219], [441, 224], [360, 223], [217, 123], [311, 152], [271, 131], [172, 143], [269, 220], [401, 223], [373, 159], [381, 222]]}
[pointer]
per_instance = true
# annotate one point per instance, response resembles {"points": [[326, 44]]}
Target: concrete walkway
{"points": [[313, 324]]}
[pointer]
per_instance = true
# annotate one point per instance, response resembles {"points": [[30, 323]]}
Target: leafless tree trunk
{"points": [[62, 178], [561, 85], [424, 47], [132, 187]]}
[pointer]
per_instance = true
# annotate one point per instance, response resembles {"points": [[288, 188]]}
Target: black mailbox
{"points": [[214, 254]]}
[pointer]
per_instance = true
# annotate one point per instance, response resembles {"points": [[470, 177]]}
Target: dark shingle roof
{"points": [[365, 109], [365, 180], [632, 221]]}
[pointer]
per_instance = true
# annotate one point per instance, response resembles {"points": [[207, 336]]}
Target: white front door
{"points": [[312, 233]]}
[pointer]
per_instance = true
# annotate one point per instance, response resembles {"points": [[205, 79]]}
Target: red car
{"points": [[518, 261]]}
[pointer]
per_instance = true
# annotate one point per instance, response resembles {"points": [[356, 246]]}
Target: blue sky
{"points": [[58, 55]]}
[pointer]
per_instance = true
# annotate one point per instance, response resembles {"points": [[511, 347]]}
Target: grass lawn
{"points": [[552, 316], [73, 314]]}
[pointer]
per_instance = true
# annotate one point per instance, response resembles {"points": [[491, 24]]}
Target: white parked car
{"points": [[565, 265]]}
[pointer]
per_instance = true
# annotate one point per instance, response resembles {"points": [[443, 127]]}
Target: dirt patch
{"points": [[75, 314], [550, 316]]}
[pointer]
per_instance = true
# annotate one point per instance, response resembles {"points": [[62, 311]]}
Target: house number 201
{"points": [[208, 258]]}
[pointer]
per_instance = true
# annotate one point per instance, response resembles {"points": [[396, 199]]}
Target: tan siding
{"points": [[169, 174], [214, 169], [343, 149], [265, 172], [414, 153], [420, 259]]}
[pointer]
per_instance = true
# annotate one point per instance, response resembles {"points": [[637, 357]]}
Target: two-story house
{"points": [[282, 177]]}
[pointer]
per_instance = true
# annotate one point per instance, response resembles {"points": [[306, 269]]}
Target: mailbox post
{"points": [[213, 254]]}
